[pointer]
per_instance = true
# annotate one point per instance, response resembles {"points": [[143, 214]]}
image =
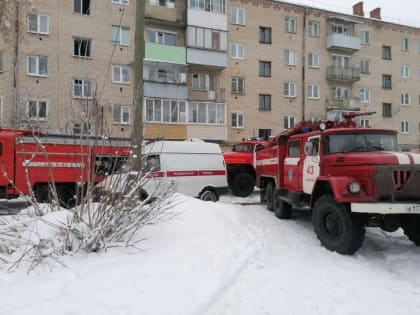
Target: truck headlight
{"points": [[354, 188]]}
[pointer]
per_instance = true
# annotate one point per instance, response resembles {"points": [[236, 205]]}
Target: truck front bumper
{"points": [[385, 208]]}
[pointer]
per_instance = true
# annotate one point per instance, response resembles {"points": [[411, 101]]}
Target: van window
{"points": [[294, 149], [152, 164]]}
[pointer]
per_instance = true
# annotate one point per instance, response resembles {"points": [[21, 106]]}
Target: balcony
{"points": [[161, 10], [204, 57], [350, 74], [337, 41], [219, 95], [165, 53], [351, 104]]}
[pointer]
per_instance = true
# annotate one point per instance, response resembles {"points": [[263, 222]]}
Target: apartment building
{"points": [[67, 66], [290, 62]]}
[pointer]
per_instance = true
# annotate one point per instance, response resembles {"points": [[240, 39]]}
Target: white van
{"points": [[194, 168]]}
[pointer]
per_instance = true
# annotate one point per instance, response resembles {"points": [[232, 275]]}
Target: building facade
{"points": [[67, 66], [218, 70]]}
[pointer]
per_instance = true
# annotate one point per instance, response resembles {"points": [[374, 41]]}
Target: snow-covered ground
{"points": [[225, 258]]}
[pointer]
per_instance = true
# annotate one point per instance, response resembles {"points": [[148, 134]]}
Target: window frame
{"points": [[404, 44], [238, 83], [387, 110], [265, 32], [121, 72], [83, 88], [405, 98], [287, 57], [121, 109], [365, 66], [38, 27], [198, 77], [37, 66], [287, 89], [121, 2], [119, 35], [312, 30], [289, 122], [386, 81], [79, 41], [386, 52], [405, 127], [238, 125], [37, 103], [365, 37], [405, 71], [87, 11], [263, 66], [264, 102], [365, 95], [83, 126], [164, 34], [290, 24], [236, 11], [311, 88], [234, 47], [311, 57]]}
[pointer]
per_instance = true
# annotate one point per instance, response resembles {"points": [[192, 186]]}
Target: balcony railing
{"points": [[343, 42], [350, 74], [351, 103]]}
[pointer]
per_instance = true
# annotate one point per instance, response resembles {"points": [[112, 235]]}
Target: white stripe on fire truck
{"points": [[291, 161], [403, 158], [52, 164], [272, 161], [415, 157]]}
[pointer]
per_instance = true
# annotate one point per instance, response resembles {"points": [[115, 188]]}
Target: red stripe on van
{"points": [[196, 173]]}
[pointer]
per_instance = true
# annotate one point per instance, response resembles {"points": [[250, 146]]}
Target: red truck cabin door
{"points": [[7, 160], [311, 165], [292, 174]]}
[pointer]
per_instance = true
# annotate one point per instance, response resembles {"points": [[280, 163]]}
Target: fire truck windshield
{"points": [[243, 147], [360, 142]]}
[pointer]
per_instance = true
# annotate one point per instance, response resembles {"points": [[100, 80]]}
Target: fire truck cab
{"points": [[349, 177]]}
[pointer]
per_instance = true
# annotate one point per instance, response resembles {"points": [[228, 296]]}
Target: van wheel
{"points": [[269, 196], [209, 195], [243, 185], [411, 227], [335, 227], [281, 208]]}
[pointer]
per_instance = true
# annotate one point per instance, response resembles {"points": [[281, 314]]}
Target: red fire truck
{"points": [[349, 177], [32, 163], [240, 164]]}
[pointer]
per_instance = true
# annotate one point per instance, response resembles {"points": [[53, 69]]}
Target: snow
{"points": [[224, 258]]}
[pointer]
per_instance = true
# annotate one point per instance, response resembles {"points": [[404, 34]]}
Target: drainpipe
{"points": [[16, 69], [304, 64]]}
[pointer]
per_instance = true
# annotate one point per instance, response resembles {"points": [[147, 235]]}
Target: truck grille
{"points": [[398, 183]]}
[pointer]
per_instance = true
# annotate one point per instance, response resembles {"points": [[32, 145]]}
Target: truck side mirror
{"points": [[308, 148]]}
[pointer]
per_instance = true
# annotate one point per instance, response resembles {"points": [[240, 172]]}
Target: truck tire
{"points": [[282, 209], [209, 195], [243, 185], [335, 227], [411, 227], [269, 191]]}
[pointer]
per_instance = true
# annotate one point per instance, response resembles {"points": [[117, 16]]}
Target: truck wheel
{"points": [[209, 195], [282, 209], [269, 189], [335, 227], [243, 185], [411, 227]]}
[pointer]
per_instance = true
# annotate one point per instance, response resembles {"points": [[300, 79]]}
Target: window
{"points": [[290, 57], [200, 81], [365, 95], [340, 92], [206, 38], [121, 114], [405, 127], [313, 60], [81, 129], [121, 74], [265, 35], [313, 91], [120, 35], [290, 24], [386, 81], [120, 2], [217, 6], [264, 133], [238, 85], [264, 69], [289, 89], [38, 66], [386, 52], [365, 66], [82, 88], [404, 44], [313, 29], [206, 113], [294, 149], [81, 7], [238, 120], [341, 28], [264, 102], [386, 109], [81, 47], [159, 110], [160, 37], [288, 122], [1, 61], [405, 71], [36, 109], [38, 23], [237, 16], [365, 123], [364, 37], [405, 98], [237, 51], [342, 61]]}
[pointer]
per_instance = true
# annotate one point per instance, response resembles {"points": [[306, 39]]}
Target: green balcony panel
{"points": [[166, 53]]}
